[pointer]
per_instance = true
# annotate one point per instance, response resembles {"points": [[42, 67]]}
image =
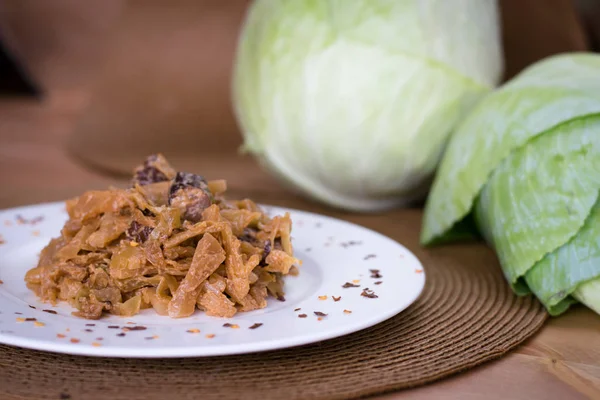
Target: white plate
{"points": [[333, 252]]}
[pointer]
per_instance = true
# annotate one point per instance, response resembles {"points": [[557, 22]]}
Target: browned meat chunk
{"points": [[155, 169], [189, 193]]}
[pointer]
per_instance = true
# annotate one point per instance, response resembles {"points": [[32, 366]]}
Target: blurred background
{"points": [[89, 88]]}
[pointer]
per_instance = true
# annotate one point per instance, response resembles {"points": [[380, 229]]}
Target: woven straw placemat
{"points": [[466, 315]]}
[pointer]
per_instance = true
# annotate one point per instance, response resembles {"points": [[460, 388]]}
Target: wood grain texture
{"points": [[561, 362]]}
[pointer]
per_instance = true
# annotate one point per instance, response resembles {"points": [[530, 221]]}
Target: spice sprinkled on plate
{"points": [[322, 297], [349, 285], [418, 271], [302, 315], [347, 312], [210, 336], [375, 273], [232, 326], [30, 306], [96, 344], [39, 324], [113, 327], [23, 221], [50, 311], [134, 328], [193, 330], [74, 340], [368, 293], [369, 256], [350, 243], [378, 283], [256, 325], [297, 309], [60, 336], [336, 299], [121, 334], [320, 314]]}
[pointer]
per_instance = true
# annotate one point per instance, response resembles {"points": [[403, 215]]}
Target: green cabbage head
{"points": [[352, 101]]}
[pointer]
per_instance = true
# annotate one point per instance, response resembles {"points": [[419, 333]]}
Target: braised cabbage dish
{"points": [[170, 242]]}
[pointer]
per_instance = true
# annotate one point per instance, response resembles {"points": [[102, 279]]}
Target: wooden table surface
{"points": [[561, 362]]}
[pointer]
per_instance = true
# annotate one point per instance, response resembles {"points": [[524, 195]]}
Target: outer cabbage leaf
{"points": [[549, 93], [572, 271]]}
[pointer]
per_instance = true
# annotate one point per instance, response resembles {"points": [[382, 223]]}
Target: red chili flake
{"points": [[320, 314], [320, 319], [90, 324], [378, 283], [210, 336], [38, 324], [30, 319], [1, 281], [302, 315], [336, 298], [256, 325], [193, 330], [349, 285], [60, 336], [96, 344], [375, 273], [418, 271], [88, 330], [120, 334], [232, 326], [347, 312], [113, 327], [297, 309], [30, 306], [280, 298], [369, 256], [368, 293], [322, 297], [50, 311], [75, 340]]}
